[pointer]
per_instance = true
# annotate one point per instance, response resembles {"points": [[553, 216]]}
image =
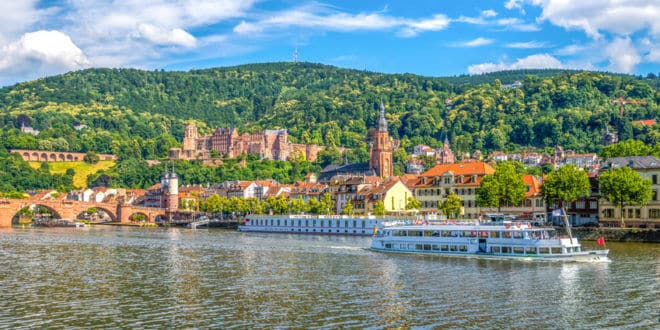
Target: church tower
{"points": [[381, 149]]}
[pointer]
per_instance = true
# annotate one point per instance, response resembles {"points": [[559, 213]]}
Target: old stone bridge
{"points": [[70, 209]]}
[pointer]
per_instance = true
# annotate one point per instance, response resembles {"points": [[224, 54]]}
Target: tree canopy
{"points": [[623, 186]]}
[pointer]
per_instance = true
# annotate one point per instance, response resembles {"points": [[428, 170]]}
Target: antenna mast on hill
{"points": [[295, 55]]}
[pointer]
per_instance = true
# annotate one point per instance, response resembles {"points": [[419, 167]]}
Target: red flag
{"points": [[600, 241]]}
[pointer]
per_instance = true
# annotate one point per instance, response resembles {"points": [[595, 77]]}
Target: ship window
{"points": [[427, 247], [467, 233], [354, 224], [483, 234], [494, 234], [556, 250], [363, 222], [278, 222], [418, 246], [544, 250], [518, 250], [506, 234], [417, 233], [452, 248], [428, 233], [388, 246], [436, 247], [445, 233], [506, 249], [530, 250], [462, 248], [517, 234], [404, 247], [495, 249], [444, 247]]}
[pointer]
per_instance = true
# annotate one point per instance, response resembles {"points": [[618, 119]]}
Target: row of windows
{"points": [[471, 233], [445, 191], [309, 222], [493, 249]]}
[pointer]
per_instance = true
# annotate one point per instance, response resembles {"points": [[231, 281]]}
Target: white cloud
{"points": [[538, 61], [474, 43], [622, 55], [319, 17], [18, 16], [526, 45], [594, 16], [161, 36], [488, 13], [571, 50], [41, 53], [511, 4]]}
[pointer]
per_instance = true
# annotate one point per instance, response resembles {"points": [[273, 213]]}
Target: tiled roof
{"points": [[479, 168], [534, 185]]}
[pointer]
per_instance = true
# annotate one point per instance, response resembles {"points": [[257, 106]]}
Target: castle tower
{"points": [[172, 192], [381, 149], [189, 140]]}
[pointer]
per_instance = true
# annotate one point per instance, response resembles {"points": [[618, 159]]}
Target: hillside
{"points": [[82, 170], [136, 113]]}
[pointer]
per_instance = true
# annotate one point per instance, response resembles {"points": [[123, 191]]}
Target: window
{"points": [[555, 250], [436, 247], [495, 249], [530, 250], [608, 213], [506, 249], [518, 250], [579, 204], [444, 247], [654, 213], [654, 196], [544, 250], [453, 248], [654, 179], [593, 205], [462, 248], [494, 234]]}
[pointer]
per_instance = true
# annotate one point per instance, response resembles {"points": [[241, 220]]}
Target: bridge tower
{"points": [[172, 191]]}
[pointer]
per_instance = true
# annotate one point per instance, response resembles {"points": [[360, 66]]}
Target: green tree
{"points": [[625, 149], [451, 207], [91, 157], [379, 208], [348, 208], [623, 187], [296, 205], [502, 188], [326, 204], [563, 186], [413, 204]]}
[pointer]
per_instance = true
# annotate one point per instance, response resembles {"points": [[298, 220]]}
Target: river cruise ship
{"points": [[320, 224], [510, 240]]}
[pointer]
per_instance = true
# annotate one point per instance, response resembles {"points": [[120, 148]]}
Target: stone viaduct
{"points": [[70, 209], [56, 156]]}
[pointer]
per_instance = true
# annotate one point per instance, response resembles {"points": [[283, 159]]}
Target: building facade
{"points": [[269, 144], [646, 216]]}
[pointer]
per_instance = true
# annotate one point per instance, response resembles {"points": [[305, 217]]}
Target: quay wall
{"points": [[617, 234]]}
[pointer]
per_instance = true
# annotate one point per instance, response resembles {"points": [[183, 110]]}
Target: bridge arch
{"points": [[15, 214], [109, 212]]}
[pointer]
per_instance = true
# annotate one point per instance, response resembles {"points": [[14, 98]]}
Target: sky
{"points": [[431, 38]]}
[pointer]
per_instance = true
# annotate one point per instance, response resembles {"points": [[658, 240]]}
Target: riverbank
{"points": [[618, 234]]}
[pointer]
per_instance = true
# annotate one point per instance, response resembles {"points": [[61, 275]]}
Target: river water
{"points": [[109, 277]]}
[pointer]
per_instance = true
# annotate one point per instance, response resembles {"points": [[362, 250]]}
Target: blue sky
{"points": [[433, 38]]}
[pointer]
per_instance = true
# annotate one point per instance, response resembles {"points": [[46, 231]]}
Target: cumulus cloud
{"points": [[594, 16], [161, 36], [538, 61], [41, 53], [18, 16], [488, 13], [318, 17], [474, 43], [622, 55]]}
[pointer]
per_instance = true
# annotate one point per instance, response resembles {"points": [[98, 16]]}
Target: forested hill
{"points": [[324, 105]]}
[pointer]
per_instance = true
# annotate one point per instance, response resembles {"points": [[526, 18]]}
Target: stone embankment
{"points": [[618, 234]]}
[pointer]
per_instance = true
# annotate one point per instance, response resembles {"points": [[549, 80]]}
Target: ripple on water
{"points": [[118, 278]]}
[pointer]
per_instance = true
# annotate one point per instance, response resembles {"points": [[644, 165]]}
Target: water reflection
{"points": [[173, 278]]}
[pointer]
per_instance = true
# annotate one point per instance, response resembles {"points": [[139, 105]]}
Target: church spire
{"points": [[382, 123]]}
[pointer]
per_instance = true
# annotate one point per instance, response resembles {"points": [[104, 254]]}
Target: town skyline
{"points": [[432, 39]]}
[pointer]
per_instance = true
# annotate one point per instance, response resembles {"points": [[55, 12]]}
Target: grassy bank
{"points": [[82, 169]]}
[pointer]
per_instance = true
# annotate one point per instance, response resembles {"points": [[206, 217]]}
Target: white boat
{"points": [[504, 240], [319, 224]]}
